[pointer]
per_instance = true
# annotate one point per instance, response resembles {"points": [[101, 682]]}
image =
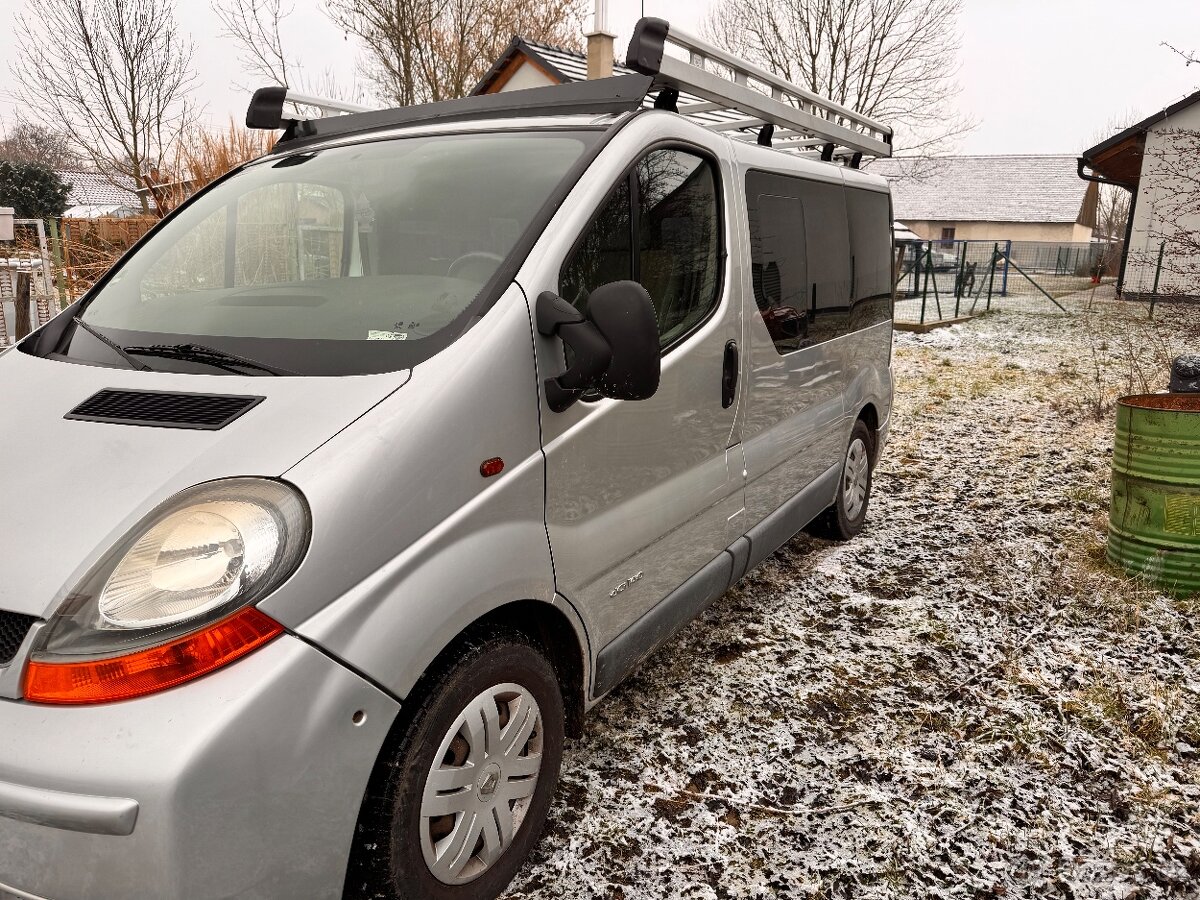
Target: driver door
{"points": [[643, 495]]}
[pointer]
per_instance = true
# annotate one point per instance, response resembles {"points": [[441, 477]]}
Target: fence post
{"points": [[925, 289], [992, 272], [962, 275], [1004, 279], [60, 275], [1157, 272], [1162, 247]]}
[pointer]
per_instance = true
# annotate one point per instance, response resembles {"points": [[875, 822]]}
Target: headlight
{"points": [[194, 562]]}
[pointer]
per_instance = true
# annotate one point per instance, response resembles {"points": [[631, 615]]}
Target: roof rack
{"points": [[785, 115], [751, 101]]}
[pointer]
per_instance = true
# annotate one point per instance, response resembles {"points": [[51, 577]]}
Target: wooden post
{"points": [[21, 301], [60, 273]]}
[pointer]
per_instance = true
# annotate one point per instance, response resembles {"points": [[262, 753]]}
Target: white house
{"points": [[1024, 197], [1158, 161], [94, 196]]}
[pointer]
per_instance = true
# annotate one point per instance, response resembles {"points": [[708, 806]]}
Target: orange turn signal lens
{"points": [[156, 669]]}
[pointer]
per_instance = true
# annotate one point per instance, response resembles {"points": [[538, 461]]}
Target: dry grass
{"points": [[204, 157]]}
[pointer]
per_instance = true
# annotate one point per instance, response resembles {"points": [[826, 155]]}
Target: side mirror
{"points": [[613, 350]]}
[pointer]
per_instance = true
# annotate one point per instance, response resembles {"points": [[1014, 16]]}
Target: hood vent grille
{"points": [[13, 628], [163, 409]]}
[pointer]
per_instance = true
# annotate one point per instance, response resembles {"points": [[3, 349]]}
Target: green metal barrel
{"points": [[1154, 521]]}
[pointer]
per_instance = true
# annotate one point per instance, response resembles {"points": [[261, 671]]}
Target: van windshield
{"points": [[348, 260]]}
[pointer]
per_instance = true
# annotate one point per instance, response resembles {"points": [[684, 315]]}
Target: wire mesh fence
{"points": [[942, 280]]}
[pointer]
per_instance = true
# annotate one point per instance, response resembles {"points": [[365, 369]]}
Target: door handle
{"points": [[729, 375]]}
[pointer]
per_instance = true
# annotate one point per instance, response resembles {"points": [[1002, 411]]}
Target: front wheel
{"points": [[846, 517], [460, 796]]}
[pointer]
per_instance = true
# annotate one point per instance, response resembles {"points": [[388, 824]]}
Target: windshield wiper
{"points": [[220, 359], [112, 345]]}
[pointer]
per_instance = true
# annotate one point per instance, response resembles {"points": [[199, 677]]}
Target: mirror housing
{"points": [[614, 348]]}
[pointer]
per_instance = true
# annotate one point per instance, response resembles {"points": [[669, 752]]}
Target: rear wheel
{"points": [[460, 795], [846, 517]]}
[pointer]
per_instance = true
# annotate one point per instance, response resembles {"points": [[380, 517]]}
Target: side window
{"points": [[603, 254], [780, 271], [800, 258], [828, 241], [679, 244], [870, 252], [660, 227]]}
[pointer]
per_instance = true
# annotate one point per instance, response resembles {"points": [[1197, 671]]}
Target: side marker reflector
{"points": [[490, 467], [153, 670]]}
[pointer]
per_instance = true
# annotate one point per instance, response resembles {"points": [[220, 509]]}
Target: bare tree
{"points": [[29, 142], [1188, 56], [426, 50], [115, 73], [1170, 256], [256, 27], [892, 60]]}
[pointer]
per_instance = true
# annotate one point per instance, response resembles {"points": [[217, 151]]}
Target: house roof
{"points": [[1119, 158], [985, 188], [94, 189], [563, 65]]}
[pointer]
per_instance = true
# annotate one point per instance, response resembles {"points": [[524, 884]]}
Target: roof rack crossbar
{"points": [[324, 104], [778, 102]]}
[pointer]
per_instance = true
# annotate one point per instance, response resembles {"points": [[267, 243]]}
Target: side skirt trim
{"points": [[630, 648], [627, 651], [785, 523]]}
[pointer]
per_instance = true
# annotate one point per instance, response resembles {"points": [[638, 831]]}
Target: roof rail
{"points": [[607, 96], [778, 113]]}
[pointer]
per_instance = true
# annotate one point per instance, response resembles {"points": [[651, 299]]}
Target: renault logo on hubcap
{"points": [[490, 781]]}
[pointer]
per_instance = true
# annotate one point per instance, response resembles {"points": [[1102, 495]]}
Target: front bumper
{"points": [[245, 783]]}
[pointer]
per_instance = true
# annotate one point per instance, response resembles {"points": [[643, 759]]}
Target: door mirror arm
{"points": [[590, 352]]}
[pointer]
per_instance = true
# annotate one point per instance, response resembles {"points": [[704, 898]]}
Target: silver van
{"points": [[328, 513]]}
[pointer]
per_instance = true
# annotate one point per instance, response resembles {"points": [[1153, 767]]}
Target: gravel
{"points": [[964, 702]]}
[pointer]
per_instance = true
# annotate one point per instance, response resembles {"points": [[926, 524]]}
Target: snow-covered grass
{"points": [[966, 701]]}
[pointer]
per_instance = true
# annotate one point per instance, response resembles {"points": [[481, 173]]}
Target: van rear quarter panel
{"points": [[868, 352], [411, 544], [799, 407]]}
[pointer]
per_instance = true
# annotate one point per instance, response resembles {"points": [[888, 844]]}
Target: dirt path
{"points": [[964, 702]]}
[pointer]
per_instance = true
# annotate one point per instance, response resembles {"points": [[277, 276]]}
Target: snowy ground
{"points": [[964, 702]]}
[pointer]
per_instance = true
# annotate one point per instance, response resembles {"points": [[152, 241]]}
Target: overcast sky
{"points": [[1040, 76]]}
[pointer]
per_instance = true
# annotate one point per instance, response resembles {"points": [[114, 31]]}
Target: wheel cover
{"points": [[481, 783], [856, 478]]}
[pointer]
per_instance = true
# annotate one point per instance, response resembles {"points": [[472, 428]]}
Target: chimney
{"points": [[600, 44]]}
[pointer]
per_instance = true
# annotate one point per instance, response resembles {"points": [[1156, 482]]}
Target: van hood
{"points": [[69, 489]]}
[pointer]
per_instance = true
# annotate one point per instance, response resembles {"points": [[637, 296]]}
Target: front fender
{"points": [[392, 625]]}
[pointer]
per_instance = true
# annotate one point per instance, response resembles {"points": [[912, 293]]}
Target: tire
{"points": [[846, 517], [401, 849]]}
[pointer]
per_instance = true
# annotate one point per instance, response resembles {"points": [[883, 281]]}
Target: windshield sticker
{"points": [[387, 335]]}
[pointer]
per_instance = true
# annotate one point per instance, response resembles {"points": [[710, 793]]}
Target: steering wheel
{"points": [[478, 262]]}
